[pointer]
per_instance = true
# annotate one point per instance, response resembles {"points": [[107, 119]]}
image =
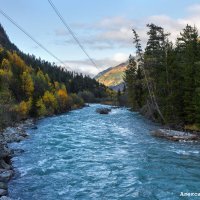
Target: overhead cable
{"points": [[71, 32], [33, 39]]}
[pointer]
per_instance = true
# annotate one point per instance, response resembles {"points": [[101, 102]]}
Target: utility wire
{"points": [[32, 38], [71, 32]]}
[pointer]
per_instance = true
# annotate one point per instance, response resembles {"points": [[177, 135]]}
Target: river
{"points": [[85, 155]]}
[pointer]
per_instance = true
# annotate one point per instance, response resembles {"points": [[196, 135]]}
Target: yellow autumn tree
{"points": [[41, 108], [5, 93], [17, 61], [27, 84], [48, 80], [56, 85], [62, 98], [23, 109], [5, 65], [50, 102], [41, 75]]}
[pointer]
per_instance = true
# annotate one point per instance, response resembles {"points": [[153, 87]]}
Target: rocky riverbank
{"points": [[173, 132], [175, 136], [10, 135]]}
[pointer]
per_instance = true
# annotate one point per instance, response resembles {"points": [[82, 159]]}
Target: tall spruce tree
{"points": [[130, 80], [171, 74], [155, 60], [187, 52]]}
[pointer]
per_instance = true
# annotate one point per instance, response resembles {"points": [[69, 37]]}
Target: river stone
{"points": [[19, 138], [16, 152], [103, 110], [14, 138], [4, 151], [6, 175], [22, 132], [3, 186], [4, 165], [175, 135], [14, 135], [1, 138], [3, 192], [5, 198], [34, 127]]}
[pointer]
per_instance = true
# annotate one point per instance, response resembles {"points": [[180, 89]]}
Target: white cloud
{"points": [[85, 66], [113, 32], [107, 33], [122, 35], [195, 8], [82, 66], [120, 57], [114, 23], [116, 32]]}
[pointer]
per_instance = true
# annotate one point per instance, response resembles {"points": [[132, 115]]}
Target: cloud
{"points": [[195, 8], [121, 35], [114, 23], [120, 57], [116, 33], [107, 33], [85, 66]]}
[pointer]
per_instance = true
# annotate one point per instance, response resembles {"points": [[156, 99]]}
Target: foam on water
{"points": [[85, 155]]}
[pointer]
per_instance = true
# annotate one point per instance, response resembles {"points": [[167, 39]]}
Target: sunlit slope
{"points": [[112, 76]]}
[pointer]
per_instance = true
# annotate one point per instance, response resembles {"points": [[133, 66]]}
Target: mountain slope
{"points": [[112, 76], [31, 87], [5, 42]]}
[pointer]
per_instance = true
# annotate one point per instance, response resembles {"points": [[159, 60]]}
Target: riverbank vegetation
{"points": [[31, 87], [164, 82]]}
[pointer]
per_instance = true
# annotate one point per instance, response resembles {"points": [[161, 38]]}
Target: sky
{"points": [[102, 26]]}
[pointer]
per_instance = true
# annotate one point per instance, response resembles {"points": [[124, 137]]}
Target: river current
{"points": [[84, 155]]}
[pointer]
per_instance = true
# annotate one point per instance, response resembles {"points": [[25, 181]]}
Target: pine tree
{"points": [[188, 53], [134, 83]]}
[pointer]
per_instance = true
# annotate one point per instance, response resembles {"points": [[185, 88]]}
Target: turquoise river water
{"points": [[84, 155]]}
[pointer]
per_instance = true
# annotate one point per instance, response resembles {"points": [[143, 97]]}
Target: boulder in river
{"points": [[3, 192], [3, 186], [175, 135], [103, 110], [22, 133], [4, 165], [6, 175], [5, 198], [4, 151], [16, 152]]}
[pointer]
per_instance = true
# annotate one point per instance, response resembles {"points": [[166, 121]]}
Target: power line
{"points": [[32, 38], [71, 32]]}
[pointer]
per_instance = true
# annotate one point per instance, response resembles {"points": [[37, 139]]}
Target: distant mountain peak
{"points": [[113, 76]]}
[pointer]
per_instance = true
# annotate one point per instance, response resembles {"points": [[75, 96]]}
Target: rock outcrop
{"points": [[103, 110], [175, 135]]}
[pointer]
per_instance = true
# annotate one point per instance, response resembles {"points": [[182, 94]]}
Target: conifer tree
{"points": [[187, 52]]}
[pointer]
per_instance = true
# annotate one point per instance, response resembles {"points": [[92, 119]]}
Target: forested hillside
{"points": [[31, 87], [166, 83]]}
